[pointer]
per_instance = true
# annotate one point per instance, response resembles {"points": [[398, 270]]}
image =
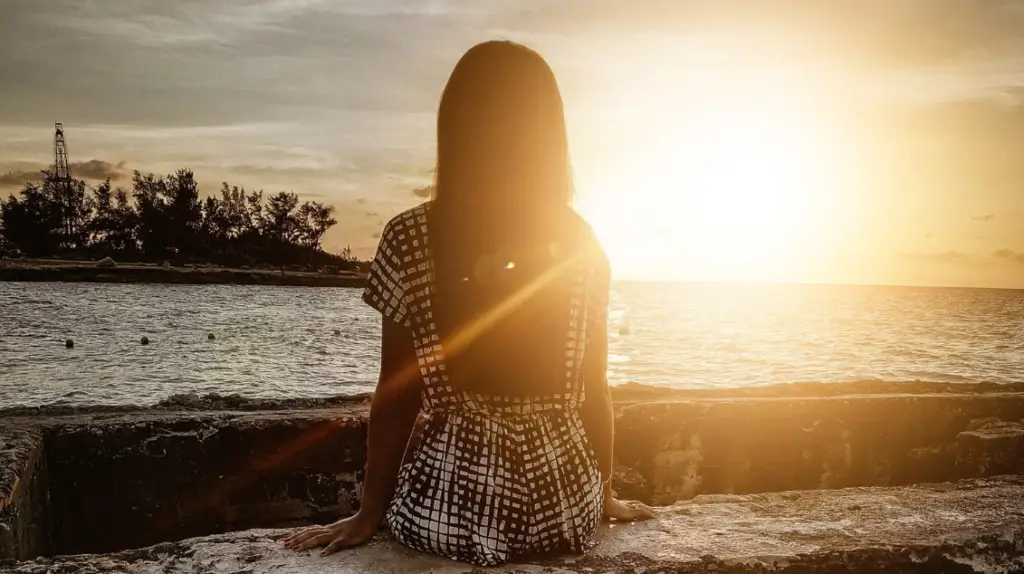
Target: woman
{"points": [[494, 298]]}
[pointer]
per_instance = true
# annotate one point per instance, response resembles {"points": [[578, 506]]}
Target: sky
{"points": [[871, 141]]}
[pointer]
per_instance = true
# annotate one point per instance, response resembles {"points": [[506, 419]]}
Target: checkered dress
{"points": [[492, 477]]}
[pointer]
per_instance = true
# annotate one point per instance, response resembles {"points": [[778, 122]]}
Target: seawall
{"points": [[176, 275], [808, 475]]}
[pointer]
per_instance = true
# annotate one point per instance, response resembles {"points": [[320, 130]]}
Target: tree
{"points": [[315, 219], [101, 226], [184, 212], [280, 223], [149, 192], [124, 222], [165, 217], [47, 218]]}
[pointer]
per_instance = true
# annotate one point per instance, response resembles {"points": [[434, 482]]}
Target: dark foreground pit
{"points": [[100, 480]]}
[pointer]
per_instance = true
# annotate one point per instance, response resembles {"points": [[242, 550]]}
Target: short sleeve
{"points": [[386, 287]]}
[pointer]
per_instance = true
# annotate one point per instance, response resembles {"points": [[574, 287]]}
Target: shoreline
{"points": [[59, 271], [624, 394]]}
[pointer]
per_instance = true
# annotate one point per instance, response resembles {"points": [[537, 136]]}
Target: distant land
{"points": [[164, 230], [37, 270]]}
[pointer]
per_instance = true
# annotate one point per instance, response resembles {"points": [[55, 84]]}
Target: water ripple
{"points": [[278, 342]]}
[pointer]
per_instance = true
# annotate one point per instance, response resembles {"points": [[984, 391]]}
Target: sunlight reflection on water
{"points": [[279, 341]]}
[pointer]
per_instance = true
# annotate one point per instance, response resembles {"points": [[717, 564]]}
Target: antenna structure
{"points": [[62, 175]]}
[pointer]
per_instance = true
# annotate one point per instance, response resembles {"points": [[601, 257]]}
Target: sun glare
{"points": [[726, 192]]}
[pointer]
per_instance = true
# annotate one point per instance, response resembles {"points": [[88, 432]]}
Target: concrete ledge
{"points": [[197, 466], [769, 444], [969, 526]]}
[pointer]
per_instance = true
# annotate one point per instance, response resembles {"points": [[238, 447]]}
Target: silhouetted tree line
{"points": [[165, 219]]}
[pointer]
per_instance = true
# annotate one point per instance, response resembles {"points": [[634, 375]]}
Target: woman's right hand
{"points": [[626, 510], [347, 533]]}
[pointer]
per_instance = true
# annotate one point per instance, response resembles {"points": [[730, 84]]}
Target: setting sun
{"points": [[724, 192]]}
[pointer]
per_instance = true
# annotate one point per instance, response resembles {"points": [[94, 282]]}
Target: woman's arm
{"points": [[396, 404], [598, 416], [596, 411]]}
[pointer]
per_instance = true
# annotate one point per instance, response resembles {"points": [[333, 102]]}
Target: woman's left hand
{"points": [[353, 531], [626, 511]]}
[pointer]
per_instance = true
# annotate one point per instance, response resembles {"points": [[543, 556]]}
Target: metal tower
{"points": [[60, 151], [62, 174]]}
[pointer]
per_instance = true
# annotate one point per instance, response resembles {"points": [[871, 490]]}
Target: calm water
{"points": [[280, 342]]}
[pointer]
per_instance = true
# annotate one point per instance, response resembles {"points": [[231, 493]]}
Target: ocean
{"points": [[279, 342]]}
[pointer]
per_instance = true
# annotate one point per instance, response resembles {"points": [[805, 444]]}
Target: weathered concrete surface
{"points": [[686, 448], [194, 466], [24, 495], [167, 477], [971, 526]]}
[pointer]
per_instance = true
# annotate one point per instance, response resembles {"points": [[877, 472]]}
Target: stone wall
{"points": [[684, 448], [168, 477], [164, 473], [24, 494]]}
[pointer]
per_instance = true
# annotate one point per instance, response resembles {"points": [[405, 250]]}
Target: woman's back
{"points": [[495, 474], [500, 330]]}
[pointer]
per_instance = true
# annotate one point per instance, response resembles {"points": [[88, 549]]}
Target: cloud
{"points": [[986, 217], [1009, 255], [424, 192], [951, 256], [875, 29], [97, 169], [19, 178], [92, 170]]}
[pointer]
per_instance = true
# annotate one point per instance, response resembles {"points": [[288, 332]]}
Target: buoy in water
{"points": [[144, 340], [337, 331], [69, 344], [210, 337]]}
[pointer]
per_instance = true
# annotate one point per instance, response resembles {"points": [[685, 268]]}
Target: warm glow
{"points": [[726, 191]]}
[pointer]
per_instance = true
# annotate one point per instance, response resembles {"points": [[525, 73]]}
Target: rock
{"points": [[69, 344], [337, 332], [106, 263], [972, 526], [629, 484], [992, 446], [144, 340], [210, 337]]}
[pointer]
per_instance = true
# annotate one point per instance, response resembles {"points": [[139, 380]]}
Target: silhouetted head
{"points": [[501, 137], [502, 232]]}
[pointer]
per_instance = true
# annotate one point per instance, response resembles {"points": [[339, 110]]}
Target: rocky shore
{"points": [[791, 478], [190, 275]]}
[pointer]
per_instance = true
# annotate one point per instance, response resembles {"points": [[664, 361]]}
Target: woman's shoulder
{"points": [[408, 224], [590, 241]]}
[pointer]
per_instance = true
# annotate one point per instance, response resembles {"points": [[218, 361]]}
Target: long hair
{"points": [[501, 138], [501, 208]]}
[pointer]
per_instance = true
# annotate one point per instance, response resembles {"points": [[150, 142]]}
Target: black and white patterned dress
{"points": [[492, 477]]}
